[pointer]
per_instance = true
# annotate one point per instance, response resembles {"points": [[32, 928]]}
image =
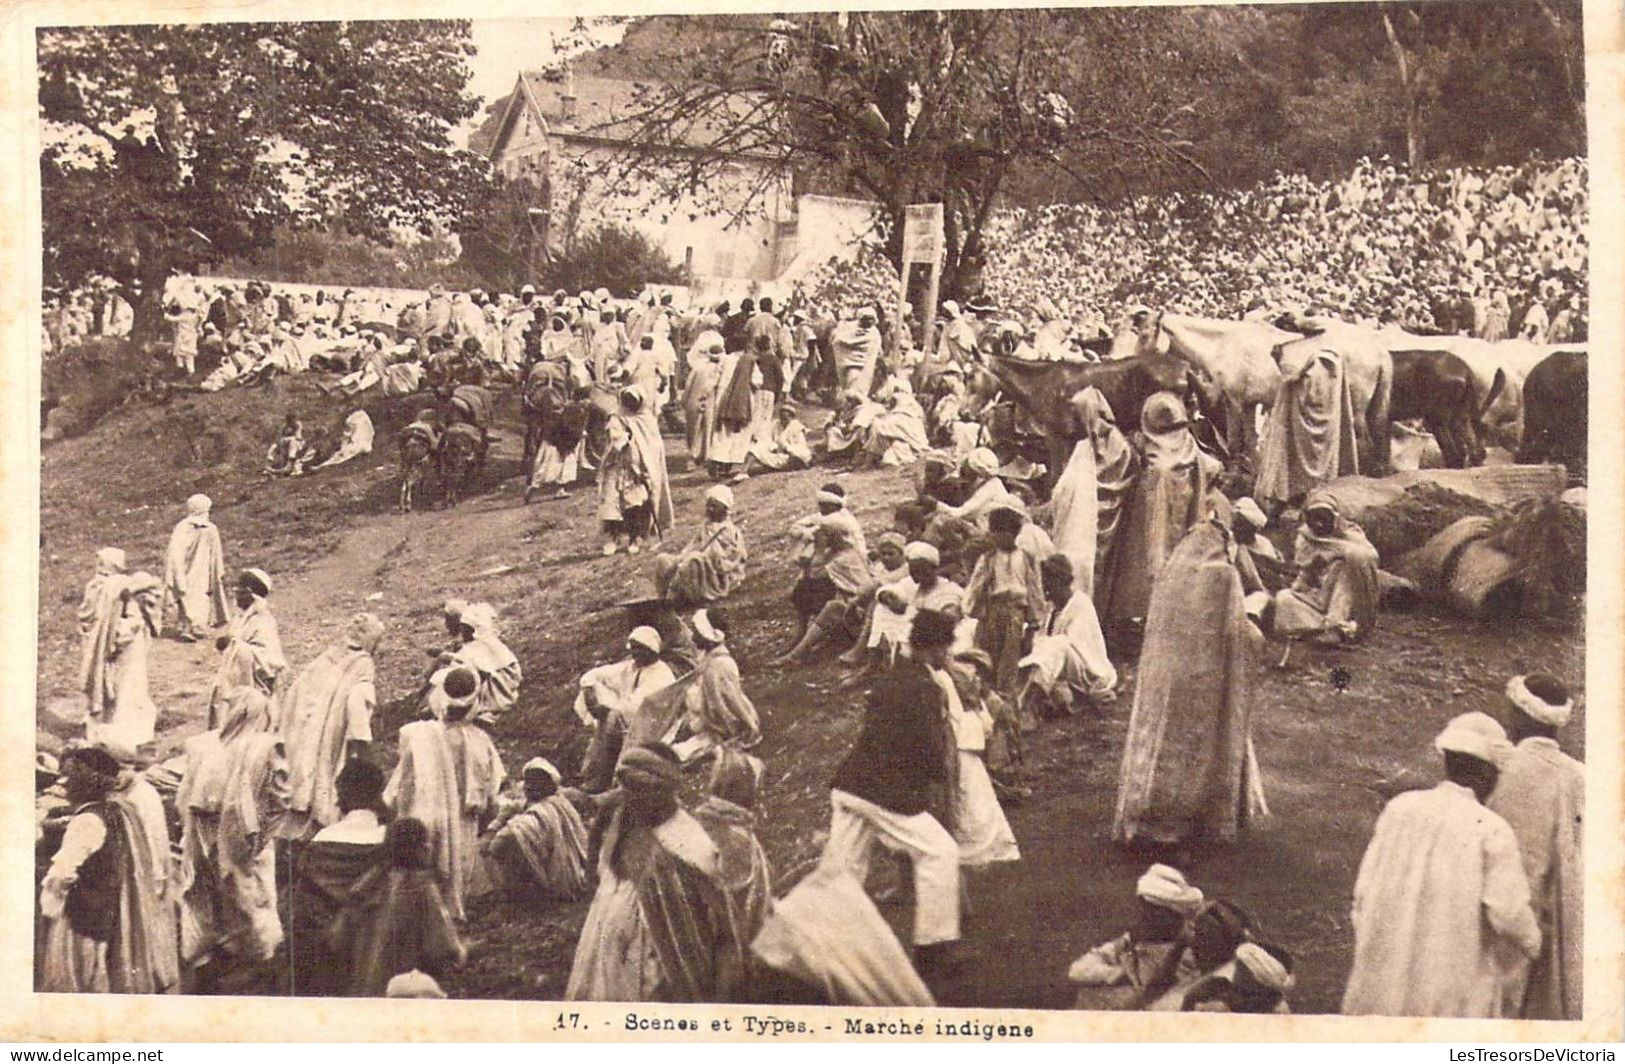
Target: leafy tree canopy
{"points": [[172, 147]]}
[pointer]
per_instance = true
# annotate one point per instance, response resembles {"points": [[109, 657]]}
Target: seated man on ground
{"points": [[1259, 981], [826, 595], [897, 604], [540, 853], [609, 695], [887, 566], [1217, 929], [713, 562], [1141, 964], [716, 710], [1333, 599], [786, 449], [1068, 656]]}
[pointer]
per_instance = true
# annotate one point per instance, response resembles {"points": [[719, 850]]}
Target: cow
{"points": [[1439, 388], [1044, 390], [1244, 357], [1554, 412]]}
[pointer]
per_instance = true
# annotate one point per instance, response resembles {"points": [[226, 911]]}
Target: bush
{"points": [[619, 259]]}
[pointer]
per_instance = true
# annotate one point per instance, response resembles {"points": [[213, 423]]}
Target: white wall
{"points": [[691, 230]]}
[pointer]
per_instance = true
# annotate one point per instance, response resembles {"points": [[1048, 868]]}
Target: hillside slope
{"points": [[1331, 755]]}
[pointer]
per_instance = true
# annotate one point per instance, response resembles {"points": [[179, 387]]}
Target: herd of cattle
{"points": [[1527, 398]]}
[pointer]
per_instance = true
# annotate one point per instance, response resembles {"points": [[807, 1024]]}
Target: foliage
{"points": [[172, 147], [334, 257], [619, 259], [504, 234], [977, 109], [908, 107]]}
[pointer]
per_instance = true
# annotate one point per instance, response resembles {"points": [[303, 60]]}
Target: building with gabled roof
{"points": [[568, 133]]}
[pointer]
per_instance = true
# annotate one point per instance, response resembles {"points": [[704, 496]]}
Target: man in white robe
{"points": [[897, 604], [1068, 651], [327, 719], [194, 571], [856, 345], [1541, 795], [1442, 916], [484, 651], [448, 776], [609, 695], [251, 650]]}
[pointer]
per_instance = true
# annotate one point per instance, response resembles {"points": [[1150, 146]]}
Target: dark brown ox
{"points": [[1439, 388], [1044, 390], [1554, 412]]}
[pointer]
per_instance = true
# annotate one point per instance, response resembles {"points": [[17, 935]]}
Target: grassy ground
{"points": [[1331, 756]]}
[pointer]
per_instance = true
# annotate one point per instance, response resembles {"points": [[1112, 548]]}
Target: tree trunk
{"points": [[1411, 89]]}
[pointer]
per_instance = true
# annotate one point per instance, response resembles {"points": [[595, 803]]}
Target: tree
{"points": [[505, 233], [909, 107], [171, 147], [1447, 83], [619, 259]]}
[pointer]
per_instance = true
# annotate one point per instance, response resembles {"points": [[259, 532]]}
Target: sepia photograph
{"points": [[1078, 509]]}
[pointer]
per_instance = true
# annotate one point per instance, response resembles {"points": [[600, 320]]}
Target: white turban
{"points": [[705, 629], [1536, 708], [983, 462], [1477, 735], [1166, 887], [831, 498], [480, 616], [920, 551], [1265, 968], [722, 495], [1249, 511], [198, 505], [645, 636], [413, 984], [544, 766], [259, 577]]}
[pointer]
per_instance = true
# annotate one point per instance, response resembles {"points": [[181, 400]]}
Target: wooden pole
{"points": [[929, 319]]}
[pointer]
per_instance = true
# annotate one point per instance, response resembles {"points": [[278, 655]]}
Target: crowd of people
{"points": [[278, 852], [1492, 253]]}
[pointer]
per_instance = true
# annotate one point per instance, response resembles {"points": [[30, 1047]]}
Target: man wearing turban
{"points": [[251, 649], [448, 776], [661, 921], [540, 852], [195, 570], [120, 616], [1442, 918], [484, 651], [713, 562], [607, 698], [1541, 795], [232, 797], [1140, 964], [327, 720]]}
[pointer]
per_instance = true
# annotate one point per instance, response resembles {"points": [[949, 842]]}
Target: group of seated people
{"points": [[294, 453], [1184, 953]]}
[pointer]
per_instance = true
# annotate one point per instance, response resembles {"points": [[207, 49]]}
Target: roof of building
{"points": [[605, 108]]}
